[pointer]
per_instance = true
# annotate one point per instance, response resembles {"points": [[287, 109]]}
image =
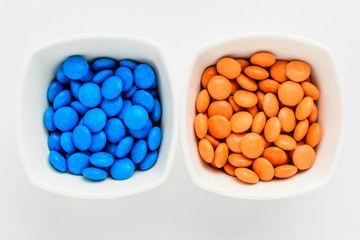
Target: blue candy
{"points": [[112, 87], [98, 141], [49, 119], [75, 67], [95, 119], [95, 174], [136, 117], [152, 92], [88, 77], [62, 99], [122, 169], [142, 133], [115, 130], [103, 63], [101, 76], [149, 161], [77, 162], [126, 105], [57, 161], [54, 142], [112, 107], [81, 109], [139, 151], [154, 138], [144, 76], [60, 75], [66, 141], [82, 137], [130, 92], [128, 63], [126, 76], [155, 114], [154, 85], [124, 147], [65, 119], [111, 148], [53, 90], [90, 94], [102, 159], [75, 87], [144, 99]]}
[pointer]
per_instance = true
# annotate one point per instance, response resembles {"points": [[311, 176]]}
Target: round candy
{"points": [[112, 107], [126, 105], [142, 133], [154, 138], [81, 109], [154, 85], [95, 119], [139, 151], [88, 77], [128, 63], [136, 117], [112, 87], [101, 76], [67, 143], [102, 159], [49, 119], [54, 142], [144, 99], [152, 92], [124, 147], [98, 141], [93, 173], [149, 161], [115, 130], [58, 161], [62, 99], [65, 119], [111, 148], [75, 67], [156, 112], [82, 137], [144, 76], [126, 76], [54, 89], [122, 169], [103, 63], [77, 162], [90, 94], [75, 87], [60, 75], [130, 92]]}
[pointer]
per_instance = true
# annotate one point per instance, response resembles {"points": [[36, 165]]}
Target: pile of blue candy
{"points": [[103, 118]]}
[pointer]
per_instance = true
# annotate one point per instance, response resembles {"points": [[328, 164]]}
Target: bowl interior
{"points": [[329, 106], [33, 101]]}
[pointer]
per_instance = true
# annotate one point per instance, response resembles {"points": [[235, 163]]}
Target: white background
{"points": [[178, 209]]}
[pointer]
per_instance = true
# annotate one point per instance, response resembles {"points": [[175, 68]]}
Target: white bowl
{"points": [[331, 115], [32, 101]]}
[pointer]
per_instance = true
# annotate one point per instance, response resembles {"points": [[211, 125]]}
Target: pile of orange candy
{"points": [[257, 119]]}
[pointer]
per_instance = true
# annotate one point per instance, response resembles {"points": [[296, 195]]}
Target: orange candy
{"points": [[249, 124], [297, 71], [202, 101], [219, 87], [219, 127], [207, 75], [228, 67], [252, 145], [222, 108]]}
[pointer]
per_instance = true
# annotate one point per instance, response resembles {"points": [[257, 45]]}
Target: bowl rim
{"points": [[84, 37], [183, 122]]}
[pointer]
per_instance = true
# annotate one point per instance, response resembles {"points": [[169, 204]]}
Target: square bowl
{"points": [[331, 115], [32, 101]]}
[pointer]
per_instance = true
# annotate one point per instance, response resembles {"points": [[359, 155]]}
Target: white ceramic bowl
{"points": [[32, 101], [331, 115]]}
